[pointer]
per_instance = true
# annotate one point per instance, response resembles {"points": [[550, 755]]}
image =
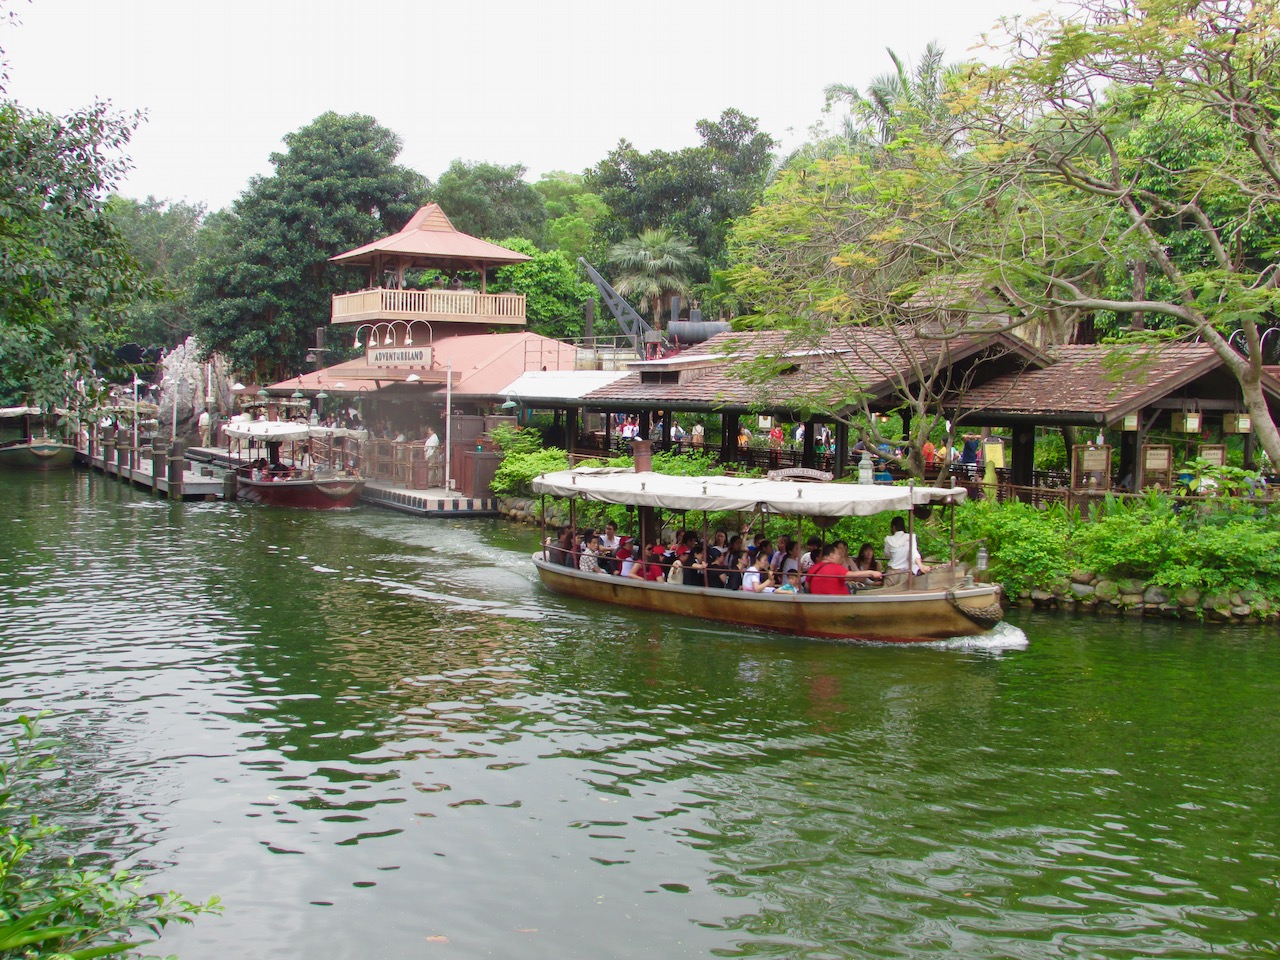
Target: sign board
{"points": [[993, 453], [800, 473], [398, 356], [1215, 453], [1091, 467], [1157, 465]]}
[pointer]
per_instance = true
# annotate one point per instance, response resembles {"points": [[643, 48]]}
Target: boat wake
{"points": [[1003, 636]]}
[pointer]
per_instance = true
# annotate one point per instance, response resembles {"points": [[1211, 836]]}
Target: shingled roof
{"points": [[814, 376], [1099, 383]]}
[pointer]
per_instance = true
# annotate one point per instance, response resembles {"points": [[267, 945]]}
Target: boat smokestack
{"points": [[642, 451]]}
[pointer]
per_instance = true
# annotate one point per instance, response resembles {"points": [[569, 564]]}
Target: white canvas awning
{"points": [[284, 431], [746, 494]]}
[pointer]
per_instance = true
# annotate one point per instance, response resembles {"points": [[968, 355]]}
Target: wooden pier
{"points": [[153, 468]]}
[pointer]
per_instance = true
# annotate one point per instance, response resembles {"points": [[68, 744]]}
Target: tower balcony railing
{"points": [[467, 306]]}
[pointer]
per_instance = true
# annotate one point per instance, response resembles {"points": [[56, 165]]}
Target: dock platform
{"points": [[142, 472]]}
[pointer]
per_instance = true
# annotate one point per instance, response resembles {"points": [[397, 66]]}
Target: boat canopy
{"points": [[7, 412], [283, 431], [745, 494]]}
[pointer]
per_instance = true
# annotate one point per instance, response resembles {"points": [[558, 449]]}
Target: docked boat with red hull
{"points": [[308, 493], [295, 478], [940, 604]]}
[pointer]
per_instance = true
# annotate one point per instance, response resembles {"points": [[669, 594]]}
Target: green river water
{"points": [[376, 736]]}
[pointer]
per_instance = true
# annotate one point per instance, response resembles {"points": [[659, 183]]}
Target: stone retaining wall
{"points": [[1087, 592]]}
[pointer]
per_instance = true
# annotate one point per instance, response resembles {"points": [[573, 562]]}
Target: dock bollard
{"points": [[229, 485], [177, 460], [158, 464]]}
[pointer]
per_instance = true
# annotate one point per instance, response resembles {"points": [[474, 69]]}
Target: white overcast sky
{"points": [[552, 85]]}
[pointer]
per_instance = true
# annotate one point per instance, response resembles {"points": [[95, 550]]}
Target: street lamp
{"points": [[137, 382]]}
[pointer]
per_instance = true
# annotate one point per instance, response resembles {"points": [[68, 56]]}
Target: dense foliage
{"points": [[267, 284], [54, 908], [489, 200], [553, 289], [66, 276]]}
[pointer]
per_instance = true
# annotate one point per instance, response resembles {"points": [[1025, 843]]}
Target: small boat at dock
{"points": [[27, 450], [943, 603], [319, 472]]}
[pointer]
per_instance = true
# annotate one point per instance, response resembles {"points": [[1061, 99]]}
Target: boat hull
{"points": [[310, 494], [37, 455], [885, 615]]}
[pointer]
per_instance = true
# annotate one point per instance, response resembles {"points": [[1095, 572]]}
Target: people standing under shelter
{"points": [[698, 435], [430, 454], [901, 551]]}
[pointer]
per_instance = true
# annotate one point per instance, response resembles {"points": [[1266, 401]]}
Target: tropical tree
{"points": [[1153, 120], [903, 98], [162, 237], [696, 192], [266, 284], [65, 274], [554, 292], [574, 216], [652, 267], [489, 200]]}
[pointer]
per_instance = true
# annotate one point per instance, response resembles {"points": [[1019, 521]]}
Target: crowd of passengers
{"points": [[731, 563]]}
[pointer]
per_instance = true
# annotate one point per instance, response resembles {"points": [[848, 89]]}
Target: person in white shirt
{"points": [[430, 453], [901, 550]]}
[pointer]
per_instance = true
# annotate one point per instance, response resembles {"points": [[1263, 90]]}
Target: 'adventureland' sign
{"points": [[398, 356]]}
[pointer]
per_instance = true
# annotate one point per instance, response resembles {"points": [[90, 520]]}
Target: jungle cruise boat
{"points": [[946, 602], [22, 449], [315, 471]]}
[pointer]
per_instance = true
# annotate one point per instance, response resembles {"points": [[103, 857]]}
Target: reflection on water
{"points": [[376, 736]]}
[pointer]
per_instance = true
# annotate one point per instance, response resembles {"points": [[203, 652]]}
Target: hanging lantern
{"points": [[1237, 423]]}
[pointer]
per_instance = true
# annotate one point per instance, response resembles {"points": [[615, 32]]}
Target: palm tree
{"points": [[899, 99], [652, 267]]}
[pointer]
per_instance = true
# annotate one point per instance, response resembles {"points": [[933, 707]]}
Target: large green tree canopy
{"points": [[266, 284], [65, 274], [554, 292], [696, 192], [165, 239], [1157, 122], [489, 200]]}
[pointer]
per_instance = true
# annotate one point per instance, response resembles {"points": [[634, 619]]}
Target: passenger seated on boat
{"points": [[651, 569], [625, 561], [609, 544], [589, 559], [758, 578], [812, 553], [675, 572], [779, 554], [695, 566], [830, 577], [901, 550], [560, 548], [793, 582], [866, 559], [721, 570], [719, 544]]}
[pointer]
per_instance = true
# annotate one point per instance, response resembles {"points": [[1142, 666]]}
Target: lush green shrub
{"points": [[517, 439], [1027, 546], [515, 474], [1210, 544], [52, 909]]}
